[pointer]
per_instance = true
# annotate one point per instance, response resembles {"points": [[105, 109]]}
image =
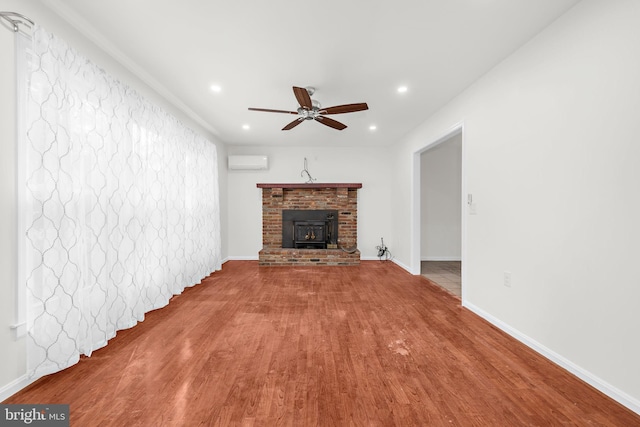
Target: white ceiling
{"points": [[349, 50]]}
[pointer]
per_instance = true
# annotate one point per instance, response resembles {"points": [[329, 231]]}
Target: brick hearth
{"points": [[278, 197]]}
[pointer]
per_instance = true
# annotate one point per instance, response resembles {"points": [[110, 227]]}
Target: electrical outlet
{"points": [[507, 279]]}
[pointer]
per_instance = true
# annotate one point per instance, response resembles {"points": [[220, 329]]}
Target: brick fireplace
{"points": [[321, 200]]}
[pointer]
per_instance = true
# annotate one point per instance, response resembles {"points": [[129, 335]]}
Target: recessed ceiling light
{"points": [[215, 88], [246, 127], [402, 89], [373, 127]]}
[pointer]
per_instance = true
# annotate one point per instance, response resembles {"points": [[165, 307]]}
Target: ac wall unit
{"points": [[248, 162]]}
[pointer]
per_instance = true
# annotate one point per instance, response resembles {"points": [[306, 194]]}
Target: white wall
{"points": [[12, 353], [368, 166], [440, 201], [551, 157]]}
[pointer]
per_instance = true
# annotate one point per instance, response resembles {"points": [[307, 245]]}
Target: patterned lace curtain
{"points": [[121, 210]]}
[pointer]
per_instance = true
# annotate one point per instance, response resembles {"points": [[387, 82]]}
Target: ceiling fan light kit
{"points": [[310, 109]]}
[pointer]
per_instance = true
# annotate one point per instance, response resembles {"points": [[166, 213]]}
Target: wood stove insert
{"points": [[310, 229]]}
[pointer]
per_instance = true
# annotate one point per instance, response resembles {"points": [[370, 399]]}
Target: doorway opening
{"points": [[441, 219]]}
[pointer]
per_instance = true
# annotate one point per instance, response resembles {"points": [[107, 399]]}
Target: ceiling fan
{"points": [[311, 109]]}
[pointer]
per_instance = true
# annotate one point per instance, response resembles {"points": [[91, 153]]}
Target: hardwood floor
{"points": [[363, 345]]}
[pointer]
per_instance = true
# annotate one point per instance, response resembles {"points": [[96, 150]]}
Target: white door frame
{"points": [[416, 219]]}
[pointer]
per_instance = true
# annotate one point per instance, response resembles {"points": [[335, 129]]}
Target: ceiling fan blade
{"points": [[330, 122], [303, 97], [293, 124], [347, 108], [272, 111]]}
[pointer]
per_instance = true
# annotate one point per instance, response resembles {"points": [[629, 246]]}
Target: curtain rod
{"points": [[16, 19]]}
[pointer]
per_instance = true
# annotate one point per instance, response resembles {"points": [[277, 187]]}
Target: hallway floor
{"points": [[446, 274]]}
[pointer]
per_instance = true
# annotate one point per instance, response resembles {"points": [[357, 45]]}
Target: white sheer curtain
{"points": [[121, 207]]}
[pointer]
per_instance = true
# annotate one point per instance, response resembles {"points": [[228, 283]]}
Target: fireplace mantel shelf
{"points": [[313, 185]]}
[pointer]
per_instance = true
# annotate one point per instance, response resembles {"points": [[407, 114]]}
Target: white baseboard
{"points": [[402, 265], [586, 376], [15, 386], [441, 258], [393, 260], [241, 258]]}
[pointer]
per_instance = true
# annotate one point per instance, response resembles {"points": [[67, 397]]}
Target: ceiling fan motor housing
{"points": [[308, 114]]}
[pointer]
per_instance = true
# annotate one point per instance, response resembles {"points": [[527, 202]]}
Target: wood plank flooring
{"points": [[368, 345]]}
